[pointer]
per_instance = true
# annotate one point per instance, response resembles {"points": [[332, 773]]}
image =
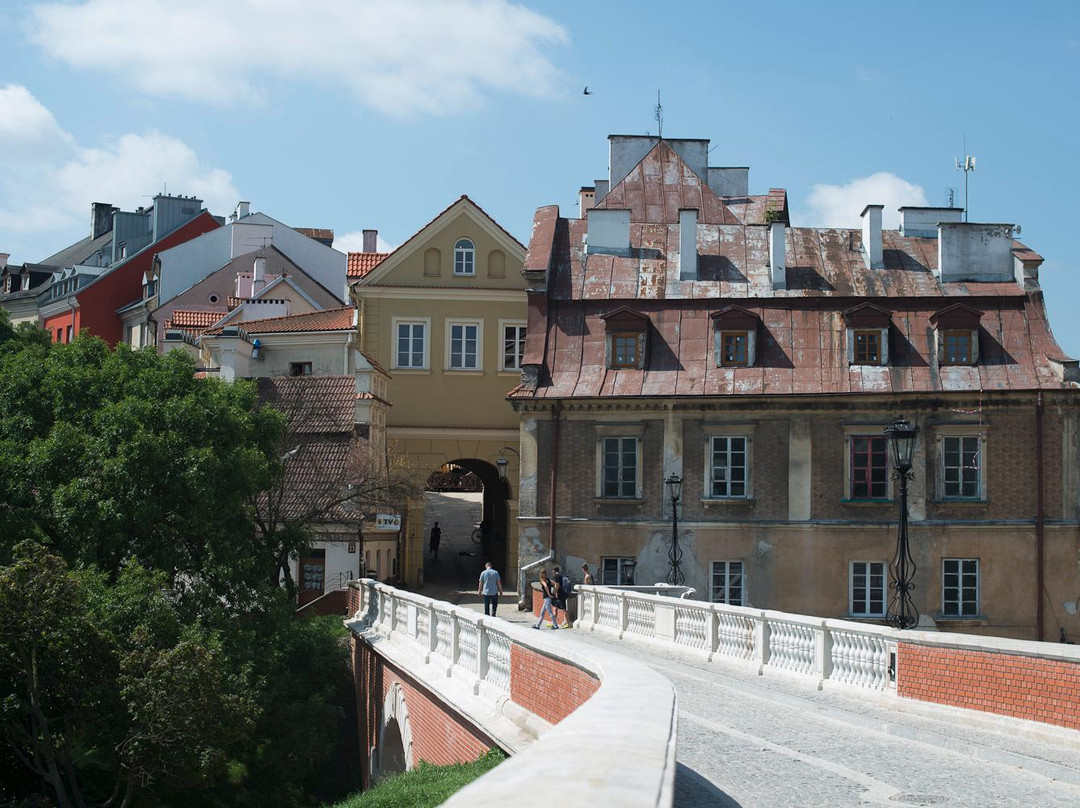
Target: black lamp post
{"points": [[902, 613], [674, 491]]}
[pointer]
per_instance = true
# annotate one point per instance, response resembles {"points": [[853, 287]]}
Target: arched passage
{"points": [[393, 754], [495, 519]]}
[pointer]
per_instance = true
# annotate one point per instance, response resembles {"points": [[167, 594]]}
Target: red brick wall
{"points": [[548, 687], [1037, 689], [538, 604], [438, 735], [354, 600]]}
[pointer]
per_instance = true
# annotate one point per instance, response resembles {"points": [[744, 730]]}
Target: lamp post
{"points": [[902, 613], [674, 491]]}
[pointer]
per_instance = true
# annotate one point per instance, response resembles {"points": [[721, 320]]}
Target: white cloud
{"points": [[354, 242], [401, 57], [840, 205], [48, 180]]}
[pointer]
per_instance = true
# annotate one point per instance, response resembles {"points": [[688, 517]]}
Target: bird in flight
{"points": [[586, 92]]}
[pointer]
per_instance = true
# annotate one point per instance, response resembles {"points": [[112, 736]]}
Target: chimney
{"points": [[729, 181], [777, 254], [975, 252], [371, 241], [586, 199], [100, 219], [258, 276], [608, 231], [871, 236], [3, 260], [243, 209], [688, 244], [923, 222], [602, 187]]}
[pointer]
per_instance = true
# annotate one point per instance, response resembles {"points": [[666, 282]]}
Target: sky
{"points": [[354, 114]]}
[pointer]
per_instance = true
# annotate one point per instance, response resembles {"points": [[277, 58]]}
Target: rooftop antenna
{"points": [[659, 115], [967, 165]]}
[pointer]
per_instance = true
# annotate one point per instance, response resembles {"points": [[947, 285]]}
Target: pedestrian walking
{"points": [[548, 591], [490, 587], [586, 576], [436, 539], [563, 588]]}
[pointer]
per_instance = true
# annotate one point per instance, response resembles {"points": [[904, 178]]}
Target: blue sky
{"points": [[378, 114]]}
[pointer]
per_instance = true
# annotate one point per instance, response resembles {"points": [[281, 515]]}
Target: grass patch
{"points": [[425, 786]]}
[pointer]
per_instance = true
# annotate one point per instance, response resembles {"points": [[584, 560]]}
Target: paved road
{"points": [[772, 742]]}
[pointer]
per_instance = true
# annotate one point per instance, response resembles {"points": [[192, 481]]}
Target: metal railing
{"points": [[828, 650]]}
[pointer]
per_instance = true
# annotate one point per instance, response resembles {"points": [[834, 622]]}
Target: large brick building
{"points": [[682, 327]]}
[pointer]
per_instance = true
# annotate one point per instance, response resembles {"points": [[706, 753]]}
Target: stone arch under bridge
{"points": [[393, 753]]}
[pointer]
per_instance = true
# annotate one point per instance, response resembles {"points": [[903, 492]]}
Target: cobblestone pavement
{"points": [[749, 741]]}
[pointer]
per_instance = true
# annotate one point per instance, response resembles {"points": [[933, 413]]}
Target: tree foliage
{"points": [[147, 656]]}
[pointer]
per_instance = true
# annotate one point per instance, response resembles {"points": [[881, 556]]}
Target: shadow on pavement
{"points": [[691, 789]]}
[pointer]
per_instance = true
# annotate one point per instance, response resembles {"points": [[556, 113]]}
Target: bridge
{"points": [[657, 701]]}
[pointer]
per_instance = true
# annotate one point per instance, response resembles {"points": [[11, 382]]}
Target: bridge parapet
{"points": [[440, 682], [1036, 681]]}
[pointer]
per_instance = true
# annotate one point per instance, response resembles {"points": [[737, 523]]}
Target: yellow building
{"points": [[445, 313]]}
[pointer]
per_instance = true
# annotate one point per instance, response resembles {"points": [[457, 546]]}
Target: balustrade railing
{"points": [[829, 650]]}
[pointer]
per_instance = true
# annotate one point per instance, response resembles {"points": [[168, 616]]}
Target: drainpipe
{"points": [[524, 602], [1039, 517]]}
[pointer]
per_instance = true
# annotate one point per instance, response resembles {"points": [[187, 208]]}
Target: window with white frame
{"points": [[961, 467], [464, 257], [960, 587], [728, 583], [464, 345], [619, 467], [728, 466], [513, 345], [410, 350], [867, 589], [617, 571]]}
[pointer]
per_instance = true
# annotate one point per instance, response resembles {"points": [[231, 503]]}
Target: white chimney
{"points": [[243, 209], [777, 254], [871, 237], [923, 222], [688, 244], [258, 276], [975, 252], [609, 231]]}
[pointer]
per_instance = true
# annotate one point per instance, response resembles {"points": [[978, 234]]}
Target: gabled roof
{"points": [[77, 252], [461, 203], [329, 320], [361, 263]]}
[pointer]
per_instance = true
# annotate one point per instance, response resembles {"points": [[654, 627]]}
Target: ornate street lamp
{"points": [[674, 491], [501, 463], [902, 612]]}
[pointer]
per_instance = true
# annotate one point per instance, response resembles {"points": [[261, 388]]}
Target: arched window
{"points": [[464, 257]]}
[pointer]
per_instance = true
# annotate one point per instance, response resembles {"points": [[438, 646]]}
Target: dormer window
{"points": [[956, 333], [626, 339], [464, 257], [867, 334], [736, 337]]}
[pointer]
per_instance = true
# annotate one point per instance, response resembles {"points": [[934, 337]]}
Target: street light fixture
{"points": [[902, 613], [674, 491], [501, 464]]}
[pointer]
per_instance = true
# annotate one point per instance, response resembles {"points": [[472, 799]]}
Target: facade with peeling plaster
{"points": [[682, 326]]}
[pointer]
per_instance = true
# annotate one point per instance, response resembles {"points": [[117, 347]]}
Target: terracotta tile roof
{"points": [[340, 319], [194, 322], [361, 263], [313, 404]]}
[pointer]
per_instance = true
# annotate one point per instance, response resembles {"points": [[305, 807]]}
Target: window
{"points": [[624, 350], [68, 334], [728, 466], [728, 583], [617, 571], [59, 335], [513, 346], [868, 469], [464, 257], [299, 368], [619, 467], [960, 587], [961, 467], [463, 345], [867, 589], [867, 347], [313, 570], [734, 349], [411, 348], [956, 348]]}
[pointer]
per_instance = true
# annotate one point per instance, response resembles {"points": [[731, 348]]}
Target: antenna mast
{"points": [[967, 165], [659, 115]]}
